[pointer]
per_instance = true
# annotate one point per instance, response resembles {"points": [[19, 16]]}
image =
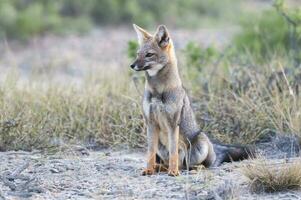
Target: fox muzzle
{"points": [[137, 66]]}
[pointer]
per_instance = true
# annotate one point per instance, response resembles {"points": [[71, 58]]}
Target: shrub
{"points": [[273, 30], [263, 35], [196, 58], [22, 19], [132, 49]]}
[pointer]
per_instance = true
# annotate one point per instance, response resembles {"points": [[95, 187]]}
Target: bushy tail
{"points": [[229, 153]]}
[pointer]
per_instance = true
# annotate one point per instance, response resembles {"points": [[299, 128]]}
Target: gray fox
{"points": [[173, 136]]}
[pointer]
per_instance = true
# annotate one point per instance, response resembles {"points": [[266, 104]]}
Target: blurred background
{"points": [[65, 76], [77, 35], [69, 36]]}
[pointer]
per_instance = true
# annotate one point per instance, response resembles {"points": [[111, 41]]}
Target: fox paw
{"points": [[173, 173], [148, 172]]}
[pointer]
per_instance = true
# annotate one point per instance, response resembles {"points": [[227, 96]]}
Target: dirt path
{"points": [[82, 174]]}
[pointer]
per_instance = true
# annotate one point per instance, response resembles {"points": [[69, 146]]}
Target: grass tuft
{"points": [[273, 177]]}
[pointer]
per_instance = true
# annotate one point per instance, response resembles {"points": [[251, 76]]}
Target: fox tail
{"points": [[229, 153]]}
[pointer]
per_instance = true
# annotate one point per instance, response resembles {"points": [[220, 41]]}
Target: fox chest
{"points": [[161, 115], [158, 112]]}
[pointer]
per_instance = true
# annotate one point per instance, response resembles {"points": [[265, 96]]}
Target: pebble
{"points": [[54, 170]]}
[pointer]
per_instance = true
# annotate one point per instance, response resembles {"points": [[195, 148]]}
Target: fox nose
{"points": [[133, 65]]}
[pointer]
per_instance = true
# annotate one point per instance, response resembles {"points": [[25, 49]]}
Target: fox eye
{"points": [[149, 54]]}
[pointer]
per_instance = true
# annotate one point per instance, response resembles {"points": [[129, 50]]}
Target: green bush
{"points": [[23, 19], [275, 30], [30, 21], [262, 35], [132, 49], [197, 58]]}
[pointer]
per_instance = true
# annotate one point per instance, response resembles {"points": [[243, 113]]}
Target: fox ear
{"points": [[142, 34], [162, 36]]}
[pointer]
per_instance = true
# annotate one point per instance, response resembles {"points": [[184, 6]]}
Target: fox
{"points": [[174, 138]]}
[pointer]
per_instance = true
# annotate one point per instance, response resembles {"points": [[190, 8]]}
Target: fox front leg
{"points": [[152, 147], [173, 146]]}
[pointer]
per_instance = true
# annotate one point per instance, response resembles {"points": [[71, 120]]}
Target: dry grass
{"points": [[234, 102], [241, 103], [39, 115], [272, 177], [105, 109]]}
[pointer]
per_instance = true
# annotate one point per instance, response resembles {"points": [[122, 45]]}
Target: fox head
{"points": [[154, 50]]}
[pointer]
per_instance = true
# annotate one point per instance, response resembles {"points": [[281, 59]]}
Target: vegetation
{"points": [[98, 113], [239, 95], [243, 92], [233, 102], [239, 102], [264, 176], [274, 30], [23, 19]]}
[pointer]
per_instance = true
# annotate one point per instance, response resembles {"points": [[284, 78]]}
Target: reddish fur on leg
{"points": [[173, 169], [151, 165]]}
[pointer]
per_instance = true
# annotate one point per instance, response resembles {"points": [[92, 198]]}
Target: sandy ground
{"points": [[78, 173]]}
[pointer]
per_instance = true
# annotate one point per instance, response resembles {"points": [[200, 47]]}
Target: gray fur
{"points": [[174, 106], [172, 130]]}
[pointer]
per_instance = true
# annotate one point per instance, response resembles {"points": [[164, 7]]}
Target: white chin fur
{"points": [[136, 67], [154, 70]]}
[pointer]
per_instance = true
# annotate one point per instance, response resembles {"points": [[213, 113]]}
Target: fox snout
{"points": [[134, 65], [138, 66]]}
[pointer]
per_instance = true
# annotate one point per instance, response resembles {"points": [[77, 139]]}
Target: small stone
{"points": [[54, 170]]}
